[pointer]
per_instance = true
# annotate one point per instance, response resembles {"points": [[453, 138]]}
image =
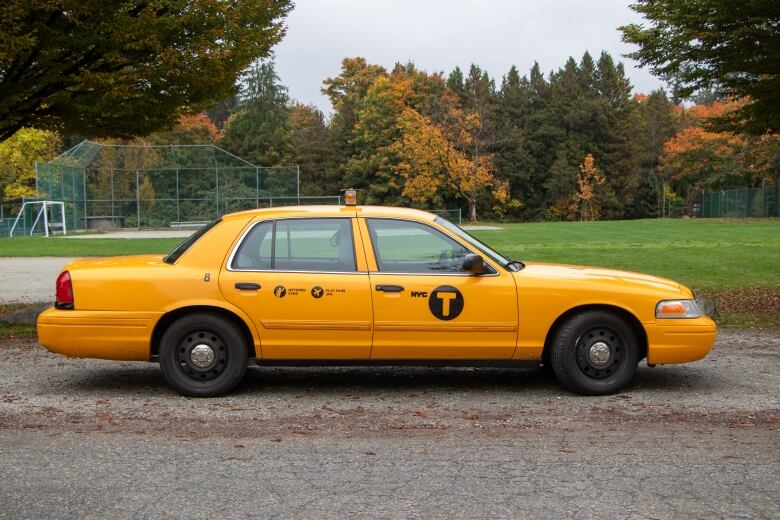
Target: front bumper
{"points": [[679, 340], [120, 335]]}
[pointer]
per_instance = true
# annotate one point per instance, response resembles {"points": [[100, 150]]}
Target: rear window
{"points": [[305, 244], [184, 246]]}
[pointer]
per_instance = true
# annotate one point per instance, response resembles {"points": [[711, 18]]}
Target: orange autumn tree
{"points": [[434, 159], [588, 181], [703, 159], [191, 129]]}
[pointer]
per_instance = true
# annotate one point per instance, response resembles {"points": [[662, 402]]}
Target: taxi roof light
{"points": [[350, 197]]}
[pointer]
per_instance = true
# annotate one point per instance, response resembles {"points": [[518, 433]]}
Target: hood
{"points": [[115, 261], [602, 275]]}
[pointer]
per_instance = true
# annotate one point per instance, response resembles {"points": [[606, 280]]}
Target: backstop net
{"points": [[112, 186]]}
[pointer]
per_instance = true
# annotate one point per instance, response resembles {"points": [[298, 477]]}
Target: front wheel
{"points": [[203, 355], [595, 353]]}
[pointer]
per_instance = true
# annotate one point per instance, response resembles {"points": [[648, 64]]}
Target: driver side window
{"points": [[402, 246]]}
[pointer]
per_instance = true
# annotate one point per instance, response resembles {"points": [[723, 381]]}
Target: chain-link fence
{"points": [[9, 209], [747, 202], [113, 186]]}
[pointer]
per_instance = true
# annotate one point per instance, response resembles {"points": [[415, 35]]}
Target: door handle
{"points": [[245, 286], [390, 288]]}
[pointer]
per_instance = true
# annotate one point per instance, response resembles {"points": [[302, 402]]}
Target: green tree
{"points": [[613, 143], [124, 67], [347, 92], [259, 132], [513, 158], [221, 111], [656, 124], [561, 184], [727, 44], [313, 151]]}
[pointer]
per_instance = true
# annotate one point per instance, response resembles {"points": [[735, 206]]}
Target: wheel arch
{"points": [[171, 316], [626, 315]]}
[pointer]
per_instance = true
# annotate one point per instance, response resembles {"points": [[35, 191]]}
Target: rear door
{"points": [[425, 305], [301, 283]]}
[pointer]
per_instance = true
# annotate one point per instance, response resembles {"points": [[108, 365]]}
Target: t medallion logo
{"points": [[280, 291], [446, 302], [317, 291]]}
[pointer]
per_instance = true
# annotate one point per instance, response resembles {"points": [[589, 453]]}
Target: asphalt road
{"points": [[29, 280], [95, 439]]}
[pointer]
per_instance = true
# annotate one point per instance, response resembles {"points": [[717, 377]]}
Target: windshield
{"points": [[181, 248], [484, 249]]}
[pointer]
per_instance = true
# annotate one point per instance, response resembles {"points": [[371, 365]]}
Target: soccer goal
{"points": [[44, 211]]}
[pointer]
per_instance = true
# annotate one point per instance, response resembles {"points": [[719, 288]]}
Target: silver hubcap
{"points": [[599, 353], [202, 355]]}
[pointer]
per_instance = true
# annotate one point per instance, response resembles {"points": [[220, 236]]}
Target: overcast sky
{"points": [[437, 35]]}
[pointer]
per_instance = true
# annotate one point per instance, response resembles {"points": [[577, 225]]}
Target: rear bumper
{"points": [[119, 335], [680, 340]]}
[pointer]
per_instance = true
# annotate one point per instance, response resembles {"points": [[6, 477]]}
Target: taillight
{"points": [[64, 299]]}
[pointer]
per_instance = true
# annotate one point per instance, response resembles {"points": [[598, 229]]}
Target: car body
{"points": [[363, 285]]}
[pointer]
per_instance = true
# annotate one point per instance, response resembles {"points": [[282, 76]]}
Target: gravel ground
{"points": [[96, 439]]}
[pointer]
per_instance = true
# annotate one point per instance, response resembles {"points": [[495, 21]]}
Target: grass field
{"points": [[705, 254], [735, 261], [58, 246]]}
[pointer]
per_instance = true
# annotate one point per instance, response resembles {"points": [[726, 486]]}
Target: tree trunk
{"points": [[473, 209]]}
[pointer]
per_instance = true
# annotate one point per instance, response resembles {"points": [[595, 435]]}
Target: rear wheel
{"points": [[595, 353], [203, 355]]}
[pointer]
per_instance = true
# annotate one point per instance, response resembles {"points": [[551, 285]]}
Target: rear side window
{"points": [[308, 244], [184, 246]]}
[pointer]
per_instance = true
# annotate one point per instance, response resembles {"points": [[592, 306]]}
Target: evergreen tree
{"points": [[259, 132], [613, 144], [514, 161], [656, 124], [455, 82], [313, 151]]}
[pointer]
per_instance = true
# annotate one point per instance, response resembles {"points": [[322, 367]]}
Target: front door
{"points": [[298, 280], [426, 306]]}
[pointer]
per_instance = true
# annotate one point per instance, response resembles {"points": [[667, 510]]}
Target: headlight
{"points": [[677, 309]]}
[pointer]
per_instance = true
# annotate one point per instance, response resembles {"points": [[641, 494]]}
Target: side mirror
{"points": [[474, 264]]}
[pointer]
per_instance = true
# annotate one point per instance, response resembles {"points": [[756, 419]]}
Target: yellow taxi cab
{"points": [[320, 285]]}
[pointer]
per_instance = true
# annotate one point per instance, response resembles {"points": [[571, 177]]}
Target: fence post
{"points": [[84, 189], [112, 196], [137, 201], [178, 210], [298, 182], [45, 220]]}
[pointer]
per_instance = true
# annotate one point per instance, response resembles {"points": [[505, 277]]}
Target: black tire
{"points": [[575, 353], [212, 378]]}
